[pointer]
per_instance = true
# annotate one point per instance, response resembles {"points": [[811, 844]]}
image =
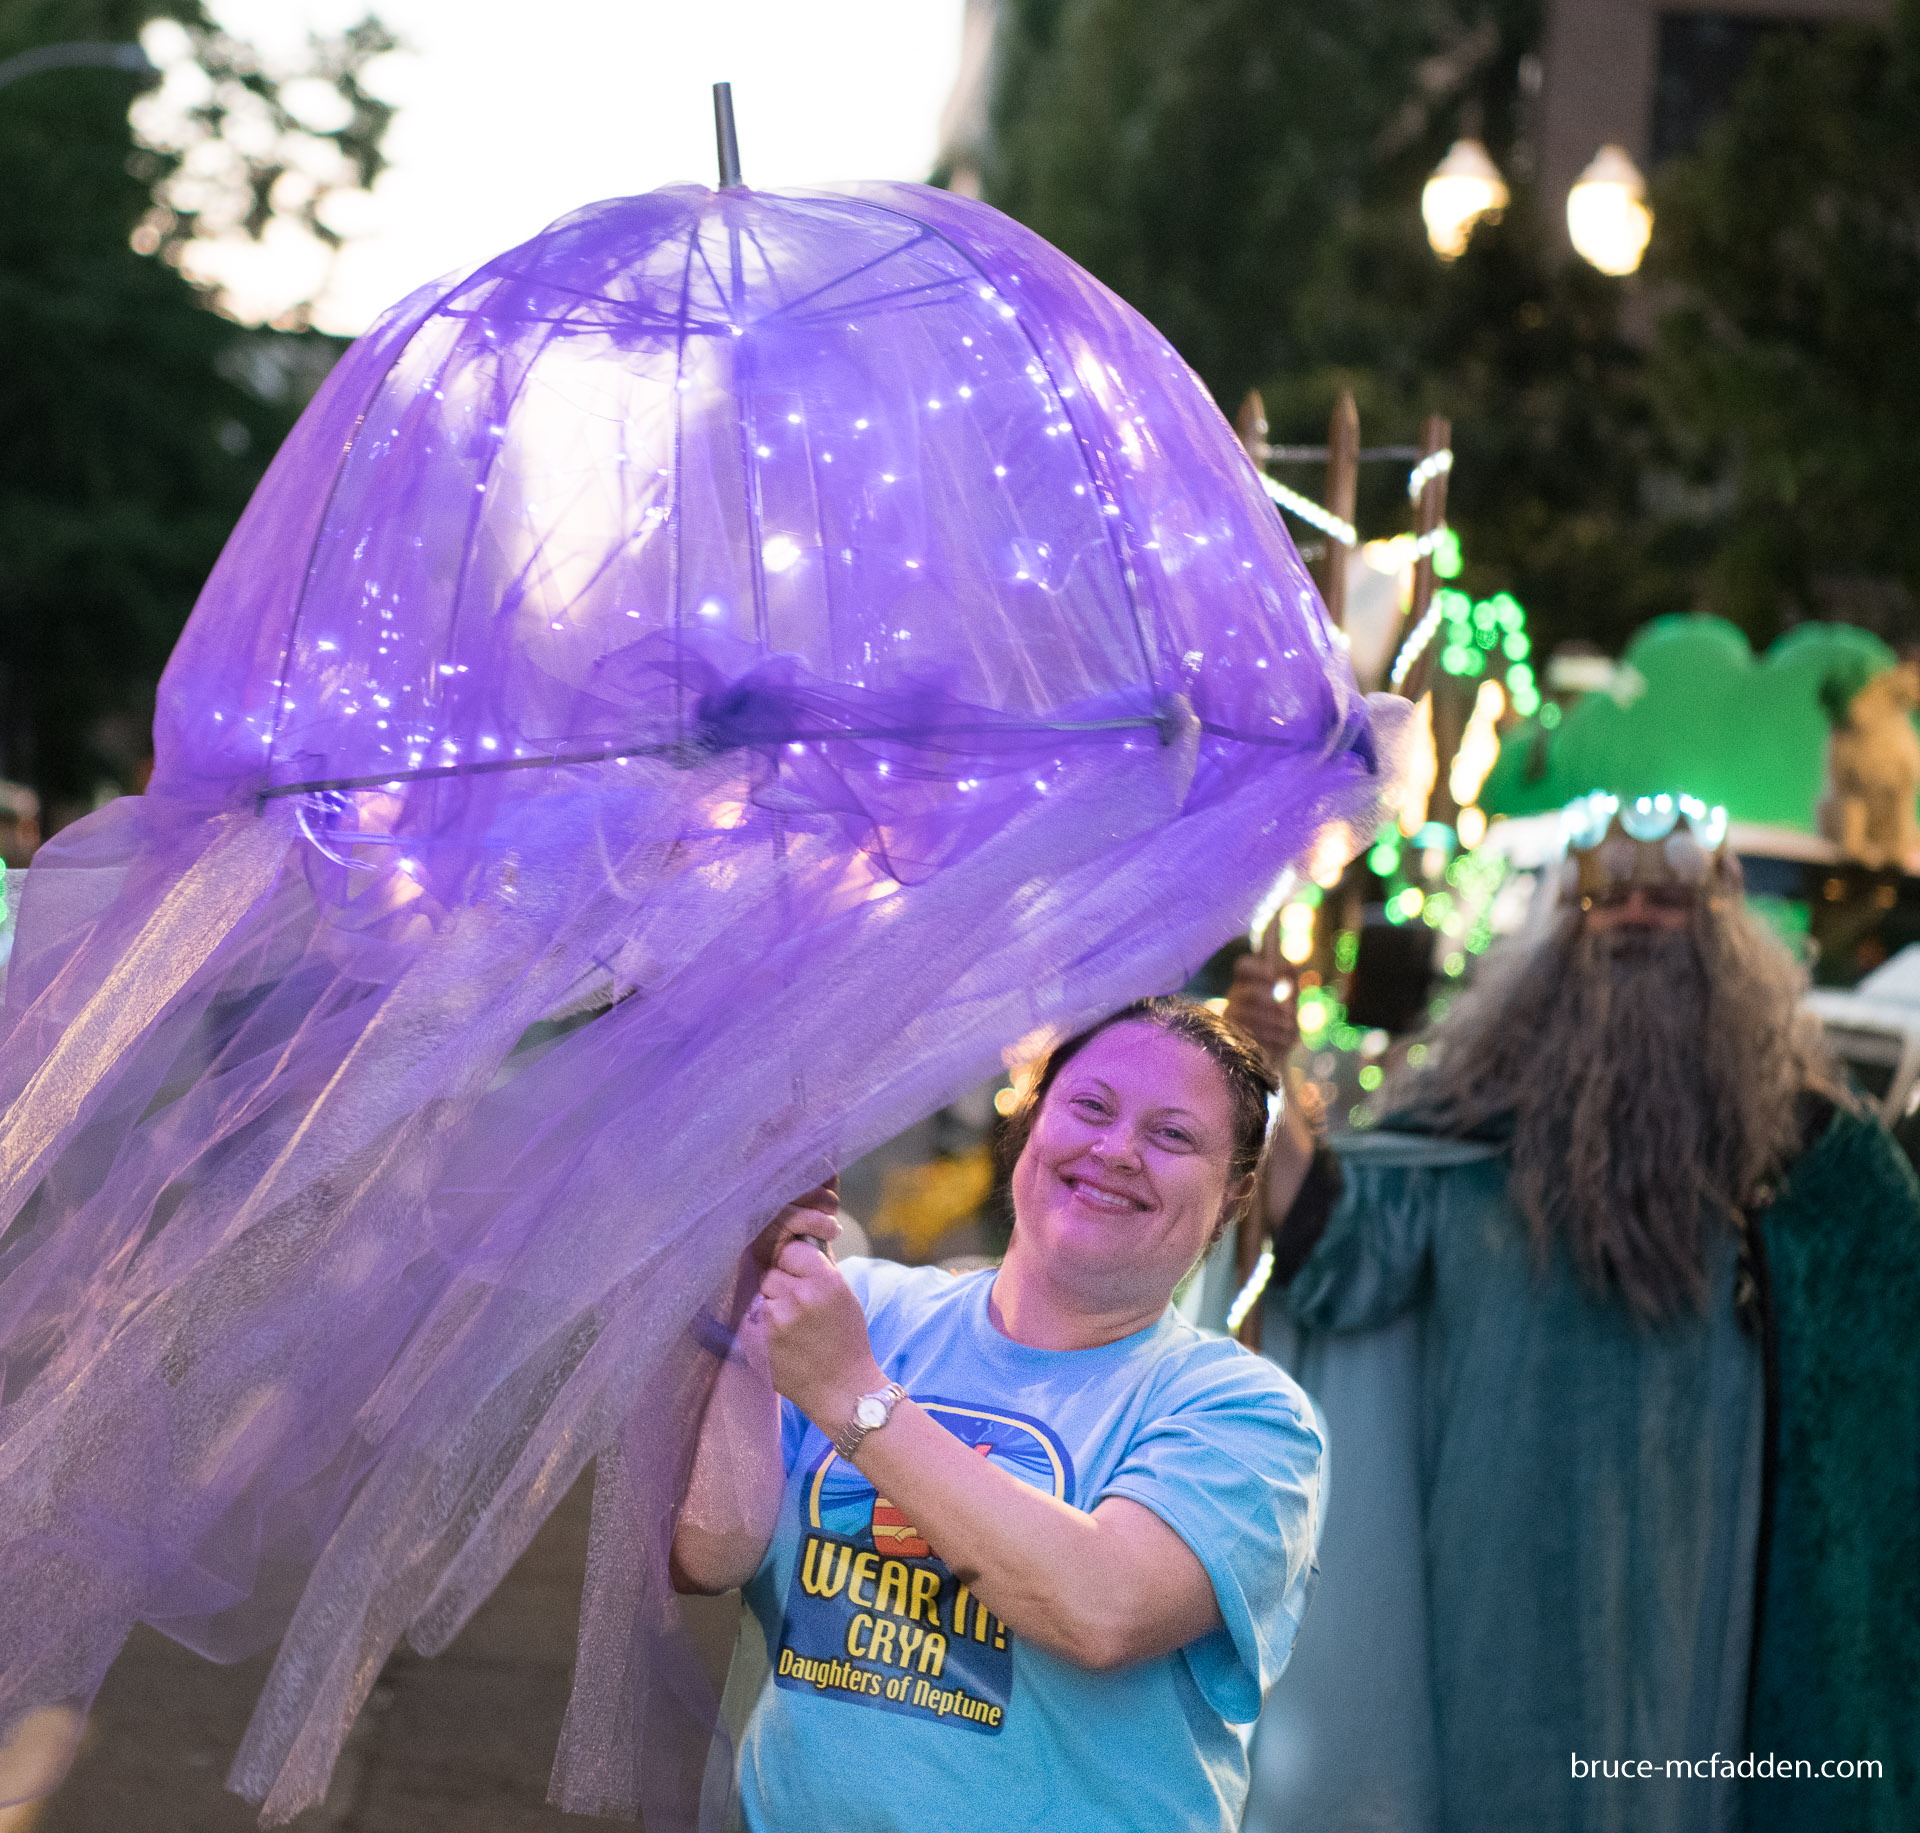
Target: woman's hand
{"points": [[813, 1217], [816, 1336], [1265, 1007]]}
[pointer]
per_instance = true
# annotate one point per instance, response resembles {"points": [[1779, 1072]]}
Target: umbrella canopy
{"points": [[686, 697]]}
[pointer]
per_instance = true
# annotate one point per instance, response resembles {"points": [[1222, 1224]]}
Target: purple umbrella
{"points": [[685, 698]]}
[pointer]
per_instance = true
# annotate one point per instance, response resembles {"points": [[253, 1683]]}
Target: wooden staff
{"points": [[1252, 1234], [1251, 424], [1430, 513], [1343, 476]]}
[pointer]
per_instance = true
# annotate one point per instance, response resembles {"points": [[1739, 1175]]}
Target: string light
{"points": [[1421, 636], [1479, 745], [1435, 464], [1249, 1294], [1310, 512]]}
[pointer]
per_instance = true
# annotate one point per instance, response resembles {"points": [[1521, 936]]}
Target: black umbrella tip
{"points": [[725, 137]]}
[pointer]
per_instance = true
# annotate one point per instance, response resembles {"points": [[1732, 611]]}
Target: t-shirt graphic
{"points": [[873, 1615]]}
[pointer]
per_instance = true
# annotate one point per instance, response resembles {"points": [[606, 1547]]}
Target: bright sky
{"points": [[515, 111]]}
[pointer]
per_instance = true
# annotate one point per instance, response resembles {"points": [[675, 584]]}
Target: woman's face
{"points": [[1125, 1176]]}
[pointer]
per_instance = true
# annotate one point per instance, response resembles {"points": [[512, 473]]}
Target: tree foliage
{"points": [[231, 148], [1791, 367], [1249, 176], [1196, 156], [134, 420]]}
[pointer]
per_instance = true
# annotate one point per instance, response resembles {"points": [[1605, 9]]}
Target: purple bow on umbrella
{"points": [[686, 697]]}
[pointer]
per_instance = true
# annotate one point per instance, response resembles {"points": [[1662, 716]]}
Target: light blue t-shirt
{"points": [[896, 1699]]}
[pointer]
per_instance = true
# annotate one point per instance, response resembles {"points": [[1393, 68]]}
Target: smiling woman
{"points": [[1029, 1504]]}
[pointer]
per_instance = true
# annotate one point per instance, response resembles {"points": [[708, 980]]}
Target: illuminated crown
{"points": [[1653, 840]]}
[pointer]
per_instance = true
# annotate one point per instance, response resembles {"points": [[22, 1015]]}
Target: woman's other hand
{"points": [[1266, 1008], [816, 1335], [813, 1217]]}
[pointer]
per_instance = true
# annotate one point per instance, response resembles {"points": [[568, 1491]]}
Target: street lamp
{"points": [[1463, 188], [1607, 214]]}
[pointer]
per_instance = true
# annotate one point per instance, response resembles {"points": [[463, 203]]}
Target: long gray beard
{"points": [[1653, 1083]]}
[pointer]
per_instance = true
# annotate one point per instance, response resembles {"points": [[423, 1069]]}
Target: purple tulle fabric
{"points": [[685, 698]]}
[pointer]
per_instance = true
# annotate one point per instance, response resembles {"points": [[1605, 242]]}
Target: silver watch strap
{"points": [[848, 1439]]}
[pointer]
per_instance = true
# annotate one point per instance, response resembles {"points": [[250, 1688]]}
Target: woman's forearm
{"points": [[1289, 1152], [733, 1496], [1101, 1589], [732, 1503]]}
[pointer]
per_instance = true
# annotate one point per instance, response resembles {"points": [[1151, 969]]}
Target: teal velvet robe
{"points": [[1544, 1517]]}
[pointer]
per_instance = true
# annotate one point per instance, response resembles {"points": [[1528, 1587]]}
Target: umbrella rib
{"points": [[673, 482], [477, 502], [853, 273], [629, 319], [693, 753], [333, 492], [827, 314], [1079, 438]]}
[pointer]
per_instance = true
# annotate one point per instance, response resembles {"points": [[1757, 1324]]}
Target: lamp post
{"points": [[81, 54], [1464, 188], [1607, 215]]}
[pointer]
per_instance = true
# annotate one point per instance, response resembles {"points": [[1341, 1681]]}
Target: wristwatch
{"points": [[870, 1413]]}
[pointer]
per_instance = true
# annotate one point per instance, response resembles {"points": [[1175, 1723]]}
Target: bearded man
{"points": [[1615, 1323]]}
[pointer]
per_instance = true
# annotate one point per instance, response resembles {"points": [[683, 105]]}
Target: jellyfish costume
{"points": [[685, 698]]}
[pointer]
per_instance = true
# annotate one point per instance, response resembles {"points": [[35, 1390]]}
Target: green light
{"points": [[1476, 663], [1446, 555], [1371, 1078], [1310, 895], [1346, 950], [1453, 659], [1385, 858], [1454, 965], [1516, 646], [1416, 1055], [1550, 715]]}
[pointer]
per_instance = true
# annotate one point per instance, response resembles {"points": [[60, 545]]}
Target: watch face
{"points": [[870, 1412]]}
